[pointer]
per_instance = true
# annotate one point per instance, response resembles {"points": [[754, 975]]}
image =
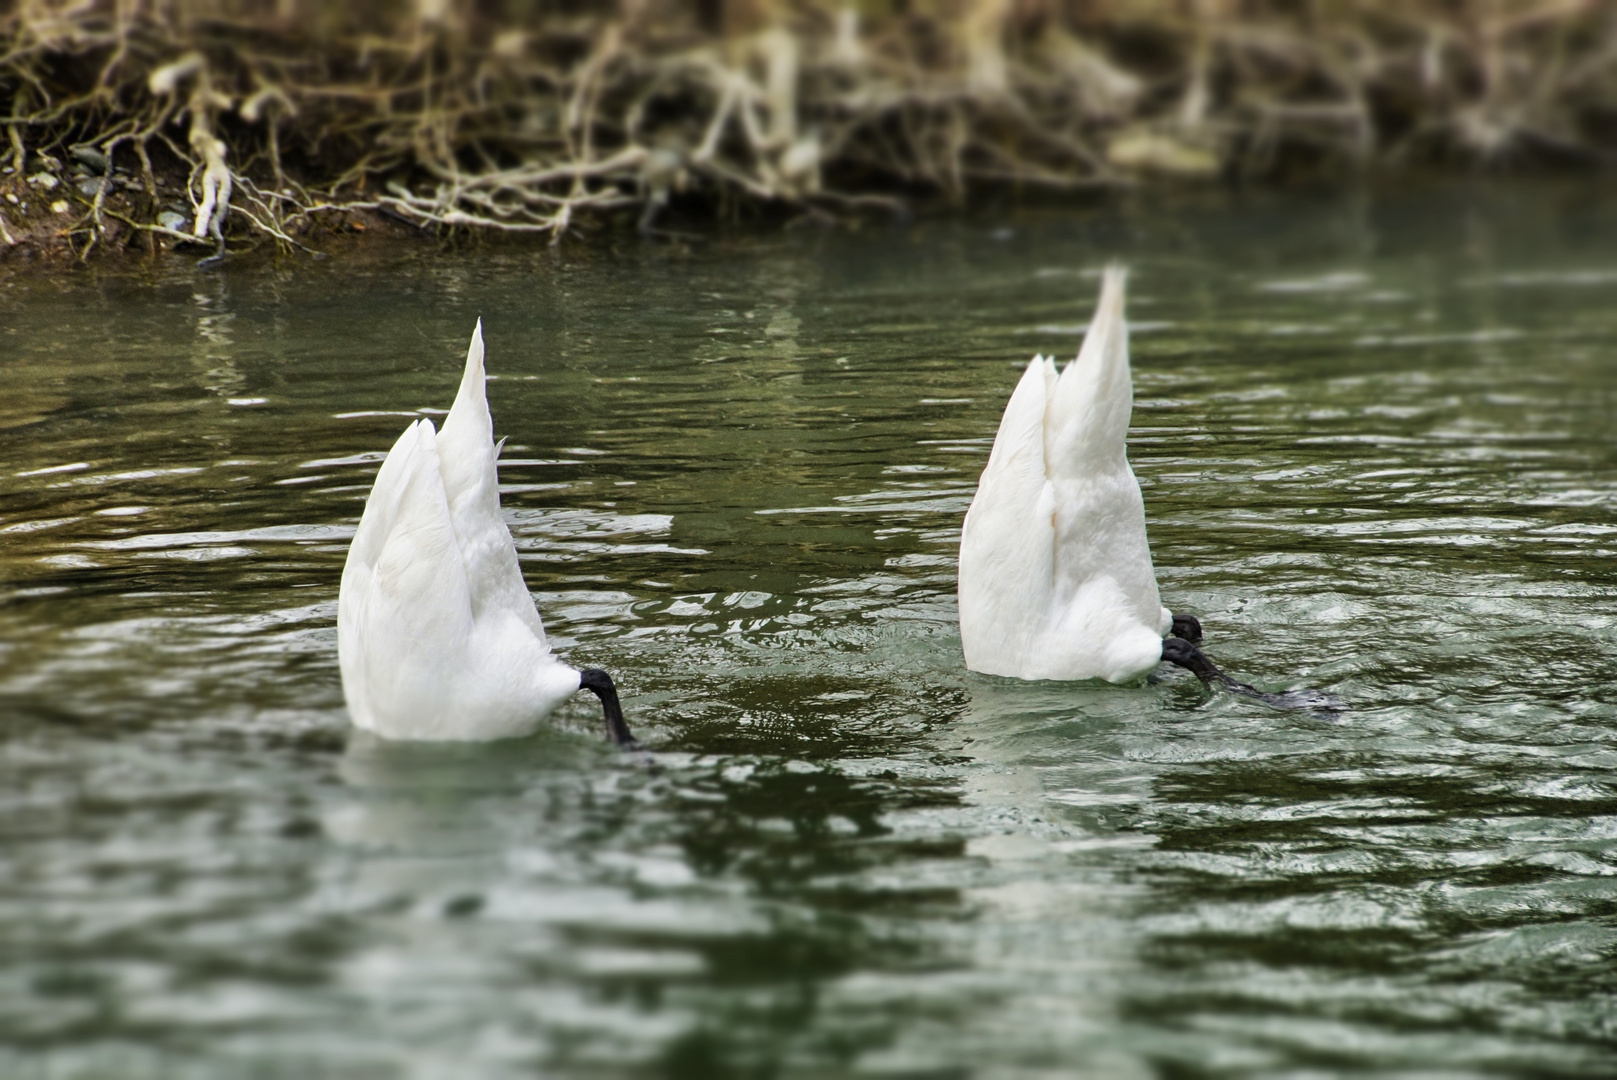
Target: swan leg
{"points": [[1183, 653], [600, 684], [1187, 627]]}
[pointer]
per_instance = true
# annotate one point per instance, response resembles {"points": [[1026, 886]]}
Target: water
{"points": [[1375, 438]]}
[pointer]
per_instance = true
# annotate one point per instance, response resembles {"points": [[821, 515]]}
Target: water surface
{"points": [[1375, 436]]}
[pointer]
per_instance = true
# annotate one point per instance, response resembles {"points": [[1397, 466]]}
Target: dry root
{"points": [[445, 115]]}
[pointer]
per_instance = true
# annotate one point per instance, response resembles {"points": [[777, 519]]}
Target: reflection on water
{"points": [[1374, 435]]}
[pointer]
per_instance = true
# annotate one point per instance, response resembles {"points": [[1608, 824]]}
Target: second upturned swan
{"points": [[437, 635], [1056, 579]]}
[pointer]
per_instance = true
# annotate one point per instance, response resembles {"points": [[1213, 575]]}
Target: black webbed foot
{"points": [[1187, 627], [600, 684]]}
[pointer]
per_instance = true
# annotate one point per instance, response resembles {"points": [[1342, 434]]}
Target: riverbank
{"points": [[222, 126]]}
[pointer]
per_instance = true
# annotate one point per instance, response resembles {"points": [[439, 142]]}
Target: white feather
{"points": [[1056, 579], [437, 635]]}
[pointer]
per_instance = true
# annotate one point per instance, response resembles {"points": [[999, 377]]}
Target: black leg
{"points": [[600, 684], [1182, 653], [1178, 651], [1187, 627]]}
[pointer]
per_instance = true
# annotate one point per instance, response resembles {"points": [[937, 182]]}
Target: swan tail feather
{"points": [[1090, 409], [1100, 526], [1006, 543], [376, 523], [468, 460], [416, 615]]}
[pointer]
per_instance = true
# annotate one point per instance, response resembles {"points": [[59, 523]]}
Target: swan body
{"points": [[437, 635], [1056, 579]]}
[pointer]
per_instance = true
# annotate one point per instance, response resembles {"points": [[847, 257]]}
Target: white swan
{"points": [[437, 635], [1055, 573]]}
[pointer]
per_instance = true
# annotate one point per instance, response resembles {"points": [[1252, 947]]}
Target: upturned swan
{"points": [[437, 635], [1055, 573]]}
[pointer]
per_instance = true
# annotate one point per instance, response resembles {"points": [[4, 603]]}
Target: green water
{"points": [[1376, 439]]}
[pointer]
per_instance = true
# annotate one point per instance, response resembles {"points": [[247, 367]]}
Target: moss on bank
{"points": [[230, 122]]}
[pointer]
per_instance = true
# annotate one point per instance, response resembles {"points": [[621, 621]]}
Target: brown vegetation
{"points": [[192, 120]]}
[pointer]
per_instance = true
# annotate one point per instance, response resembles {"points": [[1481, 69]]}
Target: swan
{"points": [[1056, 580], [437, 635]]}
